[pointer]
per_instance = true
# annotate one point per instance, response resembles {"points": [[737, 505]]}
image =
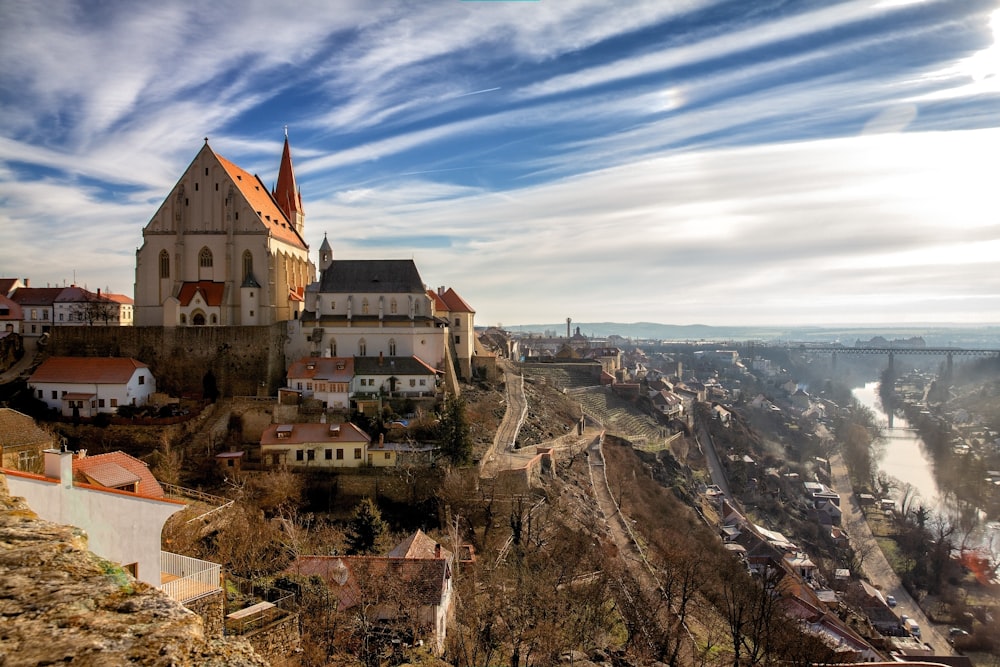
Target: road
{"points": [[876, 568], [22, 364]]}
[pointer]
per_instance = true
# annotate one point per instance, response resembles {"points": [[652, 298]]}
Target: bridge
{"points": [[948, 352]]}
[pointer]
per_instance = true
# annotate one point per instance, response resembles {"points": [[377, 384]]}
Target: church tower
{"points": [[286, 192], [325, 254]]}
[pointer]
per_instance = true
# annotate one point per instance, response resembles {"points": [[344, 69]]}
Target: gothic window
{"points": [[393, 307], [164, 264], [333, 348], [392, 347], [362, 348], [364, 307], [205, 258], [247, 265]]}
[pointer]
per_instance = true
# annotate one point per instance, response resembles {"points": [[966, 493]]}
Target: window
{"points": [[100, 402], [164, 264], [55, 394], [340, 454], [251, 313], [393, 307], [423, 382], [456, 323], [247, 266], [413, 382], [458, 339], [298, 455], [392, 347], [114, 402], [142, 379], [329, 455], [309, 386], [312, 454], [333, 305], [333, 348], [61, 317], [298, 385], [357, 453], [184, 318], [39, 393], [45, 314], [362, 348], [388, 456], [205, 258], [364, 306]]}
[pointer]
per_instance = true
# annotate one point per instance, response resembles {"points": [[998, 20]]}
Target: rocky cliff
{"points": [[59, 603]]}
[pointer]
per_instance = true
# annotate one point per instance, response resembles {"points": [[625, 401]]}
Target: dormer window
{"points": [[284, 431]]}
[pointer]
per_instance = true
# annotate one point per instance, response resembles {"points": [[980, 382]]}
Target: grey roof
{"points": [[369, 276]]}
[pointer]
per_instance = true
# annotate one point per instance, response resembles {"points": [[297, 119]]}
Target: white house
{"points": [[91, 385], [122, 526], [313, 445], [77, 306], [326, 379]]}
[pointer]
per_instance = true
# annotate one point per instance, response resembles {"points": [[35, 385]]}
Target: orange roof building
{"points": [[85, 386], [223, 250]]}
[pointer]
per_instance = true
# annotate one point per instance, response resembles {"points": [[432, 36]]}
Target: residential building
{"points": [[223, 250], [460, 316], [22, 442], [78, 306], [326, 379], [313, 445], [123, 525], [37, 308], [410, 587], [11, 315], [86, 386]]}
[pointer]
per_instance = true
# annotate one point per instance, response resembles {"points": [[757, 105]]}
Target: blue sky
{"points": [[692, 161]]}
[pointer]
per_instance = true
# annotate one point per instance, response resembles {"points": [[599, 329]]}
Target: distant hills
{"points": [[935, 335]]}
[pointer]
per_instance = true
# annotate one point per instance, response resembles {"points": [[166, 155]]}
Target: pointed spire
{"points": [[286, 192]]}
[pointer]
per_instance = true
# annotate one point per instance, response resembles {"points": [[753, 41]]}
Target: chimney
{"points": [[381, 439], [27, 282], [441, 290], [59, 465], [437, 550]]}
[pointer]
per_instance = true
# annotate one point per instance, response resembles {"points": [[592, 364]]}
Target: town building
{"points": [[86, 386], [222, 250], [22, 441], [78, 306], [410, 587], [315, 446]]}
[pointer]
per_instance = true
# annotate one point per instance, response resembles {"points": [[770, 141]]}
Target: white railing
{"points": [[186, 579]]}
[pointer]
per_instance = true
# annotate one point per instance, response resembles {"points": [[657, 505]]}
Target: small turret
{"points": [[325, 254]]}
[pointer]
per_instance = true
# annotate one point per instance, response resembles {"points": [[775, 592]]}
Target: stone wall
{"points": [[246, 361], [279, 643], [212, 610]]}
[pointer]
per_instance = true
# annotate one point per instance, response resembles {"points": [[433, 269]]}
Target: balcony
{"points": [[186, 579]]}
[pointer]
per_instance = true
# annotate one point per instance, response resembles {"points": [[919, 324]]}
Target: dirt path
{"points": [[876, 567]]}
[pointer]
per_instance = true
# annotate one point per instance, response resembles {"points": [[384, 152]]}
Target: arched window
{"points": [[362, 348], [333, 348], [392, 347], [198, 319], [247, 265], [393, 307], [215, 319], [164, 264], [364, 307], [184, 318], [205, 258]]}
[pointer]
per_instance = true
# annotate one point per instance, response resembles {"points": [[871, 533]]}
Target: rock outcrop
{"points": [[60, 603]]}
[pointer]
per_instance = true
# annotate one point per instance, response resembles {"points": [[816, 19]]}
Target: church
{"points": [[222, 250]]}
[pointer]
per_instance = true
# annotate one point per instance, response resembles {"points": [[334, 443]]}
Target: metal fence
{"points": [[186, 579]]}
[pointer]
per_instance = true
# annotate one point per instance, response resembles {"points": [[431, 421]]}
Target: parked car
{"points": [[890, 600]]}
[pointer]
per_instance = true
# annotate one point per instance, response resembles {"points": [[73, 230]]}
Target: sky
{"points": [[686, 162]]}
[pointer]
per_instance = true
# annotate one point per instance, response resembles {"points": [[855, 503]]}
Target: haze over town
{"points": [[808, 162]]}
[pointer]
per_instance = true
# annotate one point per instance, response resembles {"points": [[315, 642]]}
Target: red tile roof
{"points": [[286, 192], [18, 429], [211, 292], [334, 369], [418, 545], [314, 433], [456, 304], [260, 200], [439, 305], [36, 296], [77, 370], [115, 469]]}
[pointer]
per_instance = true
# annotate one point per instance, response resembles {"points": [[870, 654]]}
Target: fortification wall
{"points": [[246, 361]]}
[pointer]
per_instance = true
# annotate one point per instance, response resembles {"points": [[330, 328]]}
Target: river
{"points": [[906, 460]]}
